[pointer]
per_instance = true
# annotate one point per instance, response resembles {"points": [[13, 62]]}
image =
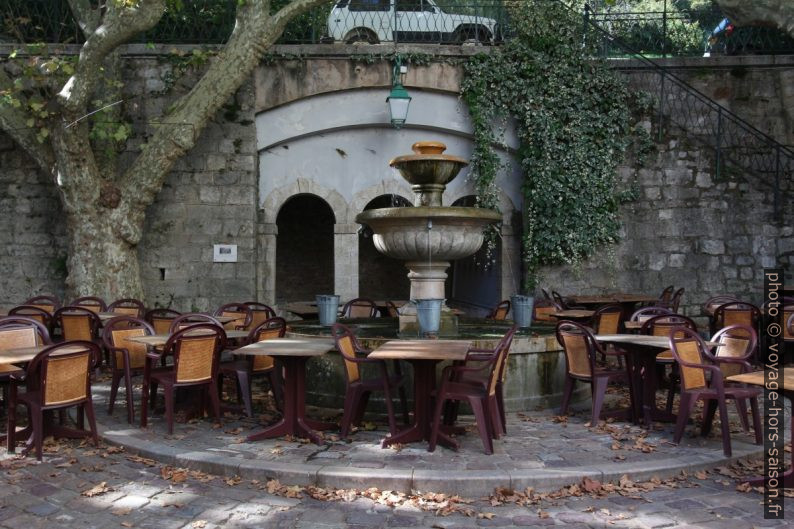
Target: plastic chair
{"points": [[77, 323], [245, 369], [191, 318], [161, 319], [92, 303], [739, 345], [57, 378], [608, 319], [735, 312], [128, 307], [18, 331], [581, 348], [644, 314], [34, 312], [662, 326], [482, 397], [543, 308], [196, 350], [358, 389], [243, 314], [259, 313], [665, 296], [499, 312], [713, 302], [126, 357], [391, 310], [691, 353], [360, 308], [675, 301], [44, 302]]}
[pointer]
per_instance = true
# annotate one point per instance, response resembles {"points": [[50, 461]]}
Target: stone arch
{"points": [[276, 199], [384, 187], [506, 204]]}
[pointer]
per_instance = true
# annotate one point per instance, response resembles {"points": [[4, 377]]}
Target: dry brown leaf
{"points": [[96, 490], [701, 474], [199, 524], [121, 511], [591, 485], [68, 463], [233, 481], [126, 524], [143, 460]]}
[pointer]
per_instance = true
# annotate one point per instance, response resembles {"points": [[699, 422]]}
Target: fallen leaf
{"points": [[96, 490]]}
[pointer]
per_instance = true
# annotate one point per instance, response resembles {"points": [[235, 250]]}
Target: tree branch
{"points": [[13, 121], [118, 26], [86, 16], [254, 32]]}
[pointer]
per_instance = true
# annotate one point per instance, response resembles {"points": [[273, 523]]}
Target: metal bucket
{"points": [[327, 307], [428, 314], [522, 309]]}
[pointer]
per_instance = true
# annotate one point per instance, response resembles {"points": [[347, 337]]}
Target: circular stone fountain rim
{"points": [[436, 212], [427, 157]]}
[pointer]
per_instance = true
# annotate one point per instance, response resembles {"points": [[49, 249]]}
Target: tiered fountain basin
{"points": [[535, 366]]}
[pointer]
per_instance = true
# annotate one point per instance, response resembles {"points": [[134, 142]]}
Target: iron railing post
{"points": [[718, 146]]}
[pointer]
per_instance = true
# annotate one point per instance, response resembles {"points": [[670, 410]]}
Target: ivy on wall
{"points": [[573, 116]]}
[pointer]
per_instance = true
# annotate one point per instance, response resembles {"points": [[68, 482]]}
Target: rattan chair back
{"points": [[347, 345], [45, 302], [579, 346], [161, 319], [689, 350], [77, 323], [259, 313], [360, 308], [116, 335], [13, 323], [739, 343], [500, 312], [92, 303], [128, 307], [267, 330], [196, 350], [189, 319], [35, 312], [736, 313], [608, 319], [239, 311], [64, 370]]}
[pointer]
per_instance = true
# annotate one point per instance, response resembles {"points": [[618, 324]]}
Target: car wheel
{"points": [[361, 35]]}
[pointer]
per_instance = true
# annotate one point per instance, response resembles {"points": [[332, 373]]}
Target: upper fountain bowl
{"points": [[428, 164]]}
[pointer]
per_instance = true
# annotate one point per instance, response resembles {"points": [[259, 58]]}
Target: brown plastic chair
{"points": [[126, 357], [644, 314], [692, 355], [675, 301], [196, 350], [358, 389], [542, 310], [92, 303], [608, 319], [480, 355], [18, 331], [581, 350], [259, 313], [360, 308], [57, 378], [35, 312], [191, 318], [499, 312], [665, 296], [128, 307], [391, 310], [77, 323], [546, 294], [733, 313], [245, 369], [713, 302], [44, 302], [482, 397], [242, 312], [739, 345], [662, 326], [161, 319]]}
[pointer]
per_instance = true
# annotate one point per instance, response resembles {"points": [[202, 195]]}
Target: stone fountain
{"points": [[429, 235]]}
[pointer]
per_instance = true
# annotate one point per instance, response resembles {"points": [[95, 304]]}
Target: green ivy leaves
{"points": [[573, 119]]}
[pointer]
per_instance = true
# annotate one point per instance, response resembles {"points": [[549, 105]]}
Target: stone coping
{"points": [[540, 451]]}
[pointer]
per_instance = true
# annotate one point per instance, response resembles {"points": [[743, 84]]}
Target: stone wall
{"points": [[686, 229]]}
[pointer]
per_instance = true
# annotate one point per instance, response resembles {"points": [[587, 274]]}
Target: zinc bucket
{"points": [[327, 307], [428, 314], [522, 309]]}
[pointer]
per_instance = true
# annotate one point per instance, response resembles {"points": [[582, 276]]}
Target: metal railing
{"points": [[671, 31], [349, 21], [737, 144]]}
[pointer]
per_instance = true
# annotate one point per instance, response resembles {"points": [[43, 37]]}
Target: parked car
{"points": [[376, 21]]}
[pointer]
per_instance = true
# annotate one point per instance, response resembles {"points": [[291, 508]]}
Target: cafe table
{"points": [[641, 363], [573, 314], [159, 340], [786, 383], [628, 301], [423, 355], [292, 354]]}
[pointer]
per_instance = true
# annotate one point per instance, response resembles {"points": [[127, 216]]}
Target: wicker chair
{"points": [[196, 350], [91, 303], [240, 311], [128, 307], [45, 302], [358, 388], [665, 297], [191, 318], [608, 319], [161, 319], [581, 349], [360, 308], [695, 362], [646, 313], [77, 323], [18, 331], [733, 313], [500, 312], [57, 378], [739, 346], [35, 312], [245, 369], [662, 326], [259, 313], [713, 302], [482, 397], [675, 301], [391, 310], [126, 357]]}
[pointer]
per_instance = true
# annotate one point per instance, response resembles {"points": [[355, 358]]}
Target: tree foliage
{"points": [[573, 118]]}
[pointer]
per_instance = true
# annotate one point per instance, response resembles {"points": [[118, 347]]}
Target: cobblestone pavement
{"points": [[86, 487]]}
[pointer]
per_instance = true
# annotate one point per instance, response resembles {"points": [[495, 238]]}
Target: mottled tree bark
{"points": [[778, 13], [105, 210]]}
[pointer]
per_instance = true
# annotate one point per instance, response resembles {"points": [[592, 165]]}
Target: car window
{"points": [[408, 5], [369, 5]]}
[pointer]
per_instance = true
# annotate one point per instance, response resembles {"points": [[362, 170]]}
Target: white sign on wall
{"points": [[224, 253]]}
